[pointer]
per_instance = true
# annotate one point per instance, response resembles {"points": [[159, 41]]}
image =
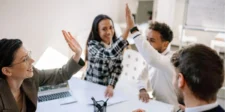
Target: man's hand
{"points": [[144, 96], [139, 110]]}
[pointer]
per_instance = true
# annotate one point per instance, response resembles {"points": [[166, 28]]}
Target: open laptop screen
{"points": [[53, 87]]}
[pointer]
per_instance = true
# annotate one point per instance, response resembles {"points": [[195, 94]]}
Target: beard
{"points": [[160, 50], [180, 97]]}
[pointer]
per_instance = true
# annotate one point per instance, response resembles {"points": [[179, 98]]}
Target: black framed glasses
{"points": [[25, 59]]}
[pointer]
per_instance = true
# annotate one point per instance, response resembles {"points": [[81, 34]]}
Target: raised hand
{"points": [[129, 22], [73, 44], [129, 18]]}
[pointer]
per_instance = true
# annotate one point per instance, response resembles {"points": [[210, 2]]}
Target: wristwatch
{"points": [[134, 29]]}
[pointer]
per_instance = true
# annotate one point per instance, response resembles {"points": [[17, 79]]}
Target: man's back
{"points": [[217, 109]]}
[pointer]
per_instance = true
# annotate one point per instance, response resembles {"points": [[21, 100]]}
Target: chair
{"points": [[218, 45], [133, 64]]}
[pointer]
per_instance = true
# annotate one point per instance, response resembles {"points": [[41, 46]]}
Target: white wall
{"points": [[165, 11], [172, 13], [202, 37], [39, 22]]}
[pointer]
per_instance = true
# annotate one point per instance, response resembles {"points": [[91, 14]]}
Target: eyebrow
{"points": [[23, 56], [152, 39]]}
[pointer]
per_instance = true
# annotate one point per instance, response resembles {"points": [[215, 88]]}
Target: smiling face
{"points": [[106, 30], [155, 39], [21, 67]]}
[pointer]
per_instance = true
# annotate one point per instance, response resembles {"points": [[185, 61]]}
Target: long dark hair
{"points": [[8, 48], [94, 34]]}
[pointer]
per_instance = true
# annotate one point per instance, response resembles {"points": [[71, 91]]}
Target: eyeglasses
{"points": [[25, 60]]}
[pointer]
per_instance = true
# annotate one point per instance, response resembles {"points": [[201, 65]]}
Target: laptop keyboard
{"points": [[53, 96]]}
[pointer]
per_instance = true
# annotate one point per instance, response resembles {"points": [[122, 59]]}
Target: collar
{"points": [[28, 88], [167, 50], [106, 45], [202, 108]]}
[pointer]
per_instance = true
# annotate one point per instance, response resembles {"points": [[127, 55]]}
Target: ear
{"points": [[6, 71], [181, 81], [165, 44]]}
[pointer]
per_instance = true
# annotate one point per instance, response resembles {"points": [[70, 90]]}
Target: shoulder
{"points": [[170, 54], [93, 42]]}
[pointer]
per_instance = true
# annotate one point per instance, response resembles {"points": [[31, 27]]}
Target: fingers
{"points": [[108, 94], [139, 110], [74, 39], [66, 36], [182, 107], [140, 96], [70, 36], [128, 12], [144, 97], [111, 94]]}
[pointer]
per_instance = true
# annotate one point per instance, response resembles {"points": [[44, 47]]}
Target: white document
{"points": [[154, 106], [49, 106]]}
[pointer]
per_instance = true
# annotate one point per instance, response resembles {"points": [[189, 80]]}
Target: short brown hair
{"points": [[202, 69]]}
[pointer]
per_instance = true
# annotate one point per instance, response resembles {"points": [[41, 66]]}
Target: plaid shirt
{"points": [[105, 65]]}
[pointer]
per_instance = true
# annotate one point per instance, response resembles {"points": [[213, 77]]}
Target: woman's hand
{"points": [[129, 21], [73, 44], [129, 18], [109, 91]]}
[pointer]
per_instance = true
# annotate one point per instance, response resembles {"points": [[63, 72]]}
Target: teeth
{"points": [[30, 69]]}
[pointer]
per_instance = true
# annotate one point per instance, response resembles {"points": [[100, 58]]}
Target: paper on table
{"points": [[99, 95], [155, 106], [49, 106]]}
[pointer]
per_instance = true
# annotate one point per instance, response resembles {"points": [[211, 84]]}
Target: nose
{"points": [[108, 32], [31, 60]]}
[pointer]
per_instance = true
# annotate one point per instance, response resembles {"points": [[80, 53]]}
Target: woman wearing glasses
{"points": [[19, 80]]}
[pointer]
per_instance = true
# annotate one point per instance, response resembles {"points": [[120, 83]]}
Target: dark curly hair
{"points": [[164, 30]]}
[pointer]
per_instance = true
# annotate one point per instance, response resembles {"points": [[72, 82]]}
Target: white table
{"points": [[81, 87]]}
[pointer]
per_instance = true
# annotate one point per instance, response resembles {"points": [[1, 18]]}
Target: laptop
{"points": [[60, 92]]}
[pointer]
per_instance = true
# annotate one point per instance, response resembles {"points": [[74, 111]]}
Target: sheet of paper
{"points": [[155, 106], [49, 106]]}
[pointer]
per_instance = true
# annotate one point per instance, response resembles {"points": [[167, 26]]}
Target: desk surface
{"points": [[80, 87]]}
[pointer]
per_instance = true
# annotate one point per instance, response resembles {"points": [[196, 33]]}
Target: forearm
{"points": [[125, 33], [76, 57]]}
